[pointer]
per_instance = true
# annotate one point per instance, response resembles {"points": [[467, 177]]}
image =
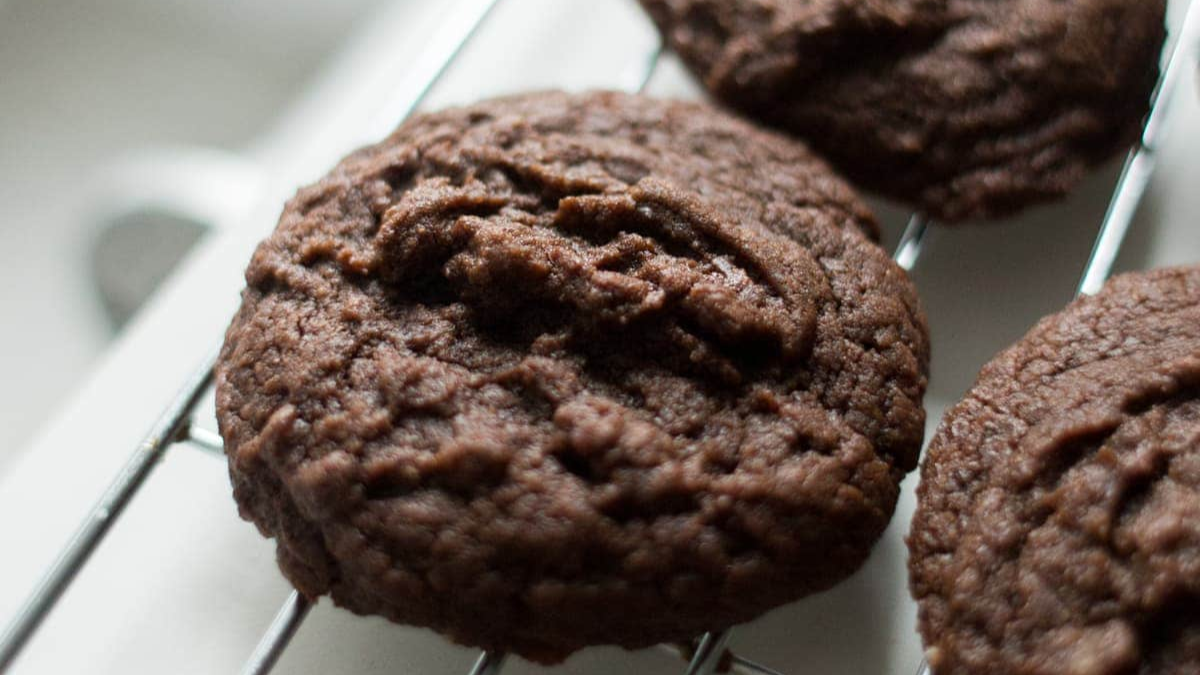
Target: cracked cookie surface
{"points": [[1058, 519], [561, 370], [960, 108]]}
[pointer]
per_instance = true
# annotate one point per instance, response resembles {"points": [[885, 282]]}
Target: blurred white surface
{"points": [[183, 586], [83, 83]]}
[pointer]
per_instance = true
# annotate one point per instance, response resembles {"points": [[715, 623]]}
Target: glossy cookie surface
{"points": [[562, 370]]}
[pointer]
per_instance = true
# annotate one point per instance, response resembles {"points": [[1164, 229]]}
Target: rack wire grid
{"points": [[176, 426]]}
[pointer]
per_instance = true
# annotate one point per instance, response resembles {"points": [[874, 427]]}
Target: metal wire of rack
{"points": [[175, 425]]}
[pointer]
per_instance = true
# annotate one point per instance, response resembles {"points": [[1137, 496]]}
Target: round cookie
{"points": [[562, 370], [961, 108], [1058, 520]]}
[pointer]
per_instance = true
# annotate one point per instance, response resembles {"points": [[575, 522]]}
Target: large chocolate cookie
{"points": [[1058, 526], [962, 108], [559, 370]]}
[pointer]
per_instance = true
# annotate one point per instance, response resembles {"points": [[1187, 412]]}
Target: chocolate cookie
{"points": [[1058, 525], [563, 370], [962, 108]]}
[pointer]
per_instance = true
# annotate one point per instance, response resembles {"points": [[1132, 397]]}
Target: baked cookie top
{"points": [[961, 108], [561, 370], [1058, 519]]}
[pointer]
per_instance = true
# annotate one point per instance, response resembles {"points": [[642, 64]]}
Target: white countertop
{"points": [[182, 585]]}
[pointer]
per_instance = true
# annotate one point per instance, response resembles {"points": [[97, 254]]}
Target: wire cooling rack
{"points": [[709, 651]]}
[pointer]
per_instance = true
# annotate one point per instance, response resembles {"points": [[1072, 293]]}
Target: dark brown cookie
{"points": [[1058, 525], [962, 108], [563, 370]]}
